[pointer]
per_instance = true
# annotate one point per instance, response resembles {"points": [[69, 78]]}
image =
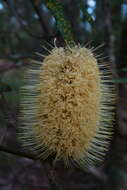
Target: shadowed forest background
{"points": [[26, 26]]}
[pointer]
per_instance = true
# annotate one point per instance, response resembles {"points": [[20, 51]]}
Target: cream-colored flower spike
{"points": [[67, 107]]}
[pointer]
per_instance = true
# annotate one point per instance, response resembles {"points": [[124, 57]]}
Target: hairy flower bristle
{"points": [[67, 106]]}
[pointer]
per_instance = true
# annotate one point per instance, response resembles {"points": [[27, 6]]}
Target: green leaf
{"points": [[63, 24], [87, 17], [123, 69], [120, 80]]}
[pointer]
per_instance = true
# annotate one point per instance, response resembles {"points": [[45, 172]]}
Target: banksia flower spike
{"points": [[67, 107]]}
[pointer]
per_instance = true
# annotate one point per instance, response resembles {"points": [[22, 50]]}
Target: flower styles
{"points": [[67, 106]]}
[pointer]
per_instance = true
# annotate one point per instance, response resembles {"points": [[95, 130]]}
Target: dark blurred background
{"points": [[26, 26]]}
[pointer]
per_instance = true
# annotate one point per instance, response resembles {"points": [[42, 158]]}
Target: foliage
{"points": [[62, 23]]}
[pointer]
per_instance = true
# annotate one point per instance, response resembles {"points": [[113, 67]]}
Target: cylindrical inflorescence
{"points": [[67, 106]]}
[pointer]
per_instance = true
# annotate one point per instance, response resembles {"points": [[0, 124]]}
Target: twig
{"points": [[10, 4], [20, 21], [52, 177], [110, 35], [17, 152], [38, 12], [50, 172], [6, 67], [15, 57]]}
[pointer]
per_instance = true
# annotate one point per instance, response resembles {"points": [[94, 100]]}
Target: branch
{"points": [[17, 152], [50, 172], [6, 67], [10, 4], [38, 12], [14, 57], [110, 35], [52, 177]]}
